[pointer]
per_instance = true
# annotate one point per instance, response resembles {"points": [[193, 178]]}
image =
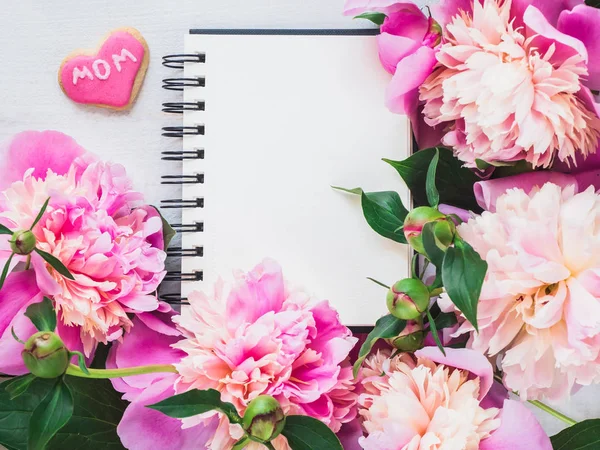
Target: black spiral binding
{"points": [[178, 62]]}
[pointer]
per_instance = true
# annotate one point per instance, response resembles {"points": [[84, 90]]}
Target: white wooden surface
{"points": [[36, 35]]}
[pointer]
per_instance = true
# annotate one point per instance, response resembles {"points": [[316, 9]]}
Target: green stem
{"points": [[269, 446], [28, 263], [75, 371], [544, 407], [553, 412]]}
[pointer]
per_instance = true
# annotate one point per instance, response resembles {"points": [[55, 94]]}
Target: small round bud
{"points": [[264, 418], [414, 223], [23, 242], [407, 299], [45, 355], [411, 338]]}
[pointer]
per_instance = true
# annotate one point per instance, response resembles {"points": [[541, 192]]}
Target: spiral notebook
{"points": [[271, 120]]}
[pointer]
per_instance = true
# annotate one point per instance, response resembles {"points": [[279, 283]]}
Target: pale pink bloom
{"points": [[113, 249], [511, 87], [260, 336], [433, 402], [539, 309]]}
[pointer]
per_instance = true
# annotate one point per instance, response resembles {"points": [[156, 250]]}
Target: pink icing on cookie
{"points": [[108, 77]]}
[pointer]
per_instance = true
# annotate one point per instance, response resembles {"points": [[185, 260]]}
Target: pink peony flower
{"points": [[260, 336], [113, 250], [432, 401], [511, 86], [539, 309]]}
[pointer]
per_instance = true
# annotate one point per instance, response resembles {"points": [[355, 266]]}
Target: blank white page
{"points": [[287, 117]]}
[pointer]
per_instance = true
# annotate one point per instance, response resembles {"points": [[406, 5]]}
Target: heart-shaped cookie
{"points": [[110, 77]]}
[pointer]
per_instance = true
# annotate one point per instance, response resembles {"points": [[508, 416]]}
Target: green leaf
{"points": [[5, 230], [583, 435], [433, 196], [55, 263], [433, 252], [454, 182], [19, 385], [463, 272], [80, 361], [5, 270], [50, 416], [98, 411], [386, 327], [383, 211], [196, 402], [40, 214], [308, 433], [168, 231], [42, 315], [434, 332], [445, 320], [375, 17]]}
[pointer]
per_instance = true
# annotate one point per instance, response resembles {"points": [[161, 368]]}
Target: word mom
{"points": [[101, 68]]}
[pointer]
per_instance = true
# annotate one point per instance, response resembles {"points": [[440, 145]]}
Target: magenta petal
{"points": [[546, 35], [11, 362], [519, 430], [583, 23], [487, 192], [425, 135], [402, 95], [349, 435], [155, 239], [19, 290], [495, 397], [355, 7], [447, 9], [463, 214], [40, 150], [466, 359], [142, 428], [71, 336], [156, 350], [392, 49], [46, 283], [161, 323]]}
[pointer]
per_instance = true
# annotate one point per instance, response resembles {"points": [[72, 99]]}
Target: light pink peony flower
{"points": [[510, 87], [539, 309], [114, 250], [436, 402], [260, 336]]}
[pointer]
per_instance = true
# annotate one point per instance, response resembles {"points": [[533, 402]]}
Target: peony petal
{"points": [[447, 9], [19, 290], [40, 150], [546, 35], [350, 434], [425, 135], [519, 430], [156, 239], [11, 362], [466, 359], [46, 283], [583, 23], [463, 214], [393, 49], [142, 428], [156, 350], [487, 192], [402, 94], [355, 7], [550, 9]]}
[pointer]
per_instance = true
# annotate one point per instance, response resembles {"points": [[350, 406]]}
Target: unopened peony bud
{"points": [[414, 223], [264, 418], [22, 242], [45, 355], [407, 299], [411, 338]]}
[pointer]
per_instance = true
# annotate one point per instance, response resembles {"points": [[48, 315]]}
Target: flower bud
{"points": [[264, 418], [45, 355], [407, 299], [23, 242], [414, 223], [411, 338]]}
